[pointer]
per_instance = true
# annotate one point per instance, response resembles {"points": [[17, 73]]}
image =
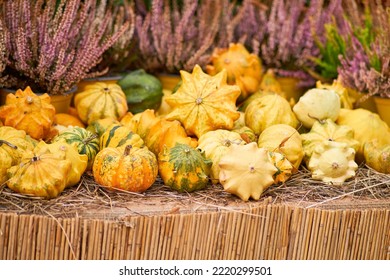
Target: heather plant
{"points": [[56, 44], [365, 67], [176, 35]]}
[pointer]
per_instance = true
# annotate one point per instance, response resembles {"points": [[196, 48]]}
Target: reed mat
{"points": [[300, 219]]}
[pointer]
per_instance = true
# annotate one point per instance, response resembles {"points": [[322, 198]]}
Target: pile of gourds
{"points": [[231, 125]]}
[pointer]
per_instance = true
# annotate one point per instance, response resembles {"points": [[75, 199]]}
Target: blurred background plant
{"points": [[56, 44], [365, 66], [177, 35]]}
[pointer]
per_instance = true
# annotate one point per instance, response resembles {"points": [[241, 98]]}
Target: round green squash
{"points": [[184, 168], [143, 91]]}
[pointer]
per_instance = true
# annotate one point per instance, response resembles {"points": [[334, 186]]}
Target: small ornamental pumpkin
{"points": [[100, 126], [243, 68], [99, 101], [79, 162], [86, 142], [284, 139], [126, 168], [246, 171], [184, 168], [367, 126], [132, 121], [67, 120], [27, 111], [283, 165], [269, 110], [327, 130], [377, 156], [40, 173], [317, 104], [333, 162], [346, 101], [118, 135], [203, 102], [216, 144], [13, 144]]}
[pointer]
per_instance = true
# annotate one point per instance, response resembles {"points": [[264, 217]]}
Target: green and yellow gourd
{"points": [[143, 91], [118, 135], [184, 168], [100, 126], [86, 142]]}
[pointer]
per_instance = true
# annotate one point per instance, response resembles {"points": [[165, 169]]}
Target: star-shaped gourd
{"points": [[204, 103]]}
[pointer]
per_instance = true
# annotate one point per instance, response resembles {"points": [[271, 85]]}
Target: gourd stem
{"points": [[89, 139], [34, 158], [127, 150], [317, 119], [8, 144]]}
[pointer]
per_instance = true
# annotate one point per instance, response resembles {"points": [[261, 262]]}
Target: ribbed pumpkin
{"points": [[243, 68], [284, 139], [13, 144], [118, 135], [377, 156], [100, 100], [269, 110], [126, 168], [100, 126], [27, 111], [203, 102], [79, 161], [246, 171], [367, 126], [216, 144], [86, 142], [327, 130], [40, 173], [184, 168]]}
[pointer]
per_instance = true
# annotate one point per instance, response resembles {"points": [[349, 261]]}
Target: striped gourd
{"points": [[184, 168], [87, 143], [118, 135]]}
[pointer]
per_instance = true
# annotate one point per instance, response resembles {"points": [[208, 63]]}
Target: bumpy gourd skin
{"points": [[203, 103], [126, 168], [184, 168], [27, 111], [246, 171]]}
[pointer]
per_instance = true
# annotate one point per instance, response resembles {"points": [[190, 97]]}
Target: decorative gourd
{"points": [[346, 101], [243, 68], [126, 168], [333, 162], [164, 108], [283, 165], [118, 135], [100, 126], [132, 121], [269, 110], [67, 120], [13, 144], [377, 157], [327, 130], [143, 91], [144, 122], [284, 139], [317, 104], [86, 142], [246, 171], [216, 144], [79, 162], [40, 173], [367, 126], [27, 111], [184, 168], [100, 100], [203, 102]]}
